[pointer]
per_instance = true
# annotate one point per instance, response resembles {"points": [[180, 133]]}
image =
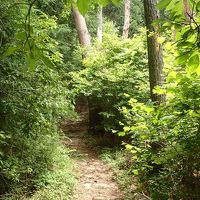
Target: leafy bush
{"points": [[165, 139], [33, 101], [115, 70], [165, 147], [118, 160], [58, 183], [32, 107]]}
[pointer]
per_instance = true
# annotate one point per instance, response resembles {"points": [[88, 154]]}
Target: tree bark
{"points": [[155, 57], [85, 41], [100, 23], [81, 27], [127, 13]]}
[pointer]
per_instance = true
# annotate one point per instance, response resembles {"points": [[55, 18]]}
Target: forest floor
{"points": [[95, 177]]}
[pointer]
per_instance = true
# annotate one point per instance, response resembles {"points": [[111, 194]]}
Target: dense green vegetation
{"points": [[34, 100], [43, 70], [108, 81]]}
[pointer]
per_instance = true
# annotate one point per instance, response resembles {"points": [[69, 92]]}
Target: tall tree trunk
{"points": [[155, 57], [81, 27], [85, 41], [127, 13], [100, 23]]}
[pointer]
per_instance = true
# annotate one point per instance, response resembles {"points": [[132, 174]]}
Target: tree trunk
{"points": [[100, 23], [85, 41], [81, 27], [155, 57], [127, 11]]}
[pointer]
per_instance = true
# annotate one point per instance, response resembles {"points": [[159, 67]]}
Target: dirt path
{"points": [[95, 181]]}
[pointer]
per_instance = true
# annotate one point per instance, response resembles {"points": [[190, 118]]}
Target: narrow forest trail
{"points": [[95, 177]]}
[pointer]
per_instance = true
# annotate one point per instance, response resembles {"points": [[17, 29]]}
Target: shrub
{"points": [[115, 70]]}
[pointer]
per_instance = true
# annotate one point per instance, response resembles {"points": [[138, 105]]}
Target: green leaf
{"points": [[198, 71], [116, 2], [127, 128], [170, 5], [198, 7], [193, 64], [104, 2], [21, 35], [182, 59], [83, 6], [163, 3], [158, 21], [47, 61], [135, 171], [121, 134], [10, 51], [129, 147], [184, 44], [31, 61]]}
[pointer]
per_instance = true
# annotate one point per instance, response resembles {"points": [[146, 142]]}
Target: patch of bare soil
{"points": [[96, 179]]}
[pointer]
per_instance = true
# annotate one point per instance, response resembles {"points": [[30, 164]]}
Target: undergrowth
{"points": [[61, 181], [55, 183], [119, 162]]}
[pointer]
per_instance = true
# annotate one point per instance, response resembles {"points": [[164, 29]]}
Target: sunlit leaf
{"points": [[83, 6], [182, 59], [121, 134], [193, 64], [198, 71], [128, 146], [47, 61], [127, 128], [163, 3], [135, 172]]}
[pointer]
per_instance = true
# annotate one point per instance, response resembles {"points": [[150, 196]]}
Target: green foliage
{"points": [[165, 140], [33, 101], [119, 161], [38, 46], [52, 7], [58, 182], [115, 70], [54, 181], [32, 39], [83, 5], [185, 22], [32, 108], [116, 14]]}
